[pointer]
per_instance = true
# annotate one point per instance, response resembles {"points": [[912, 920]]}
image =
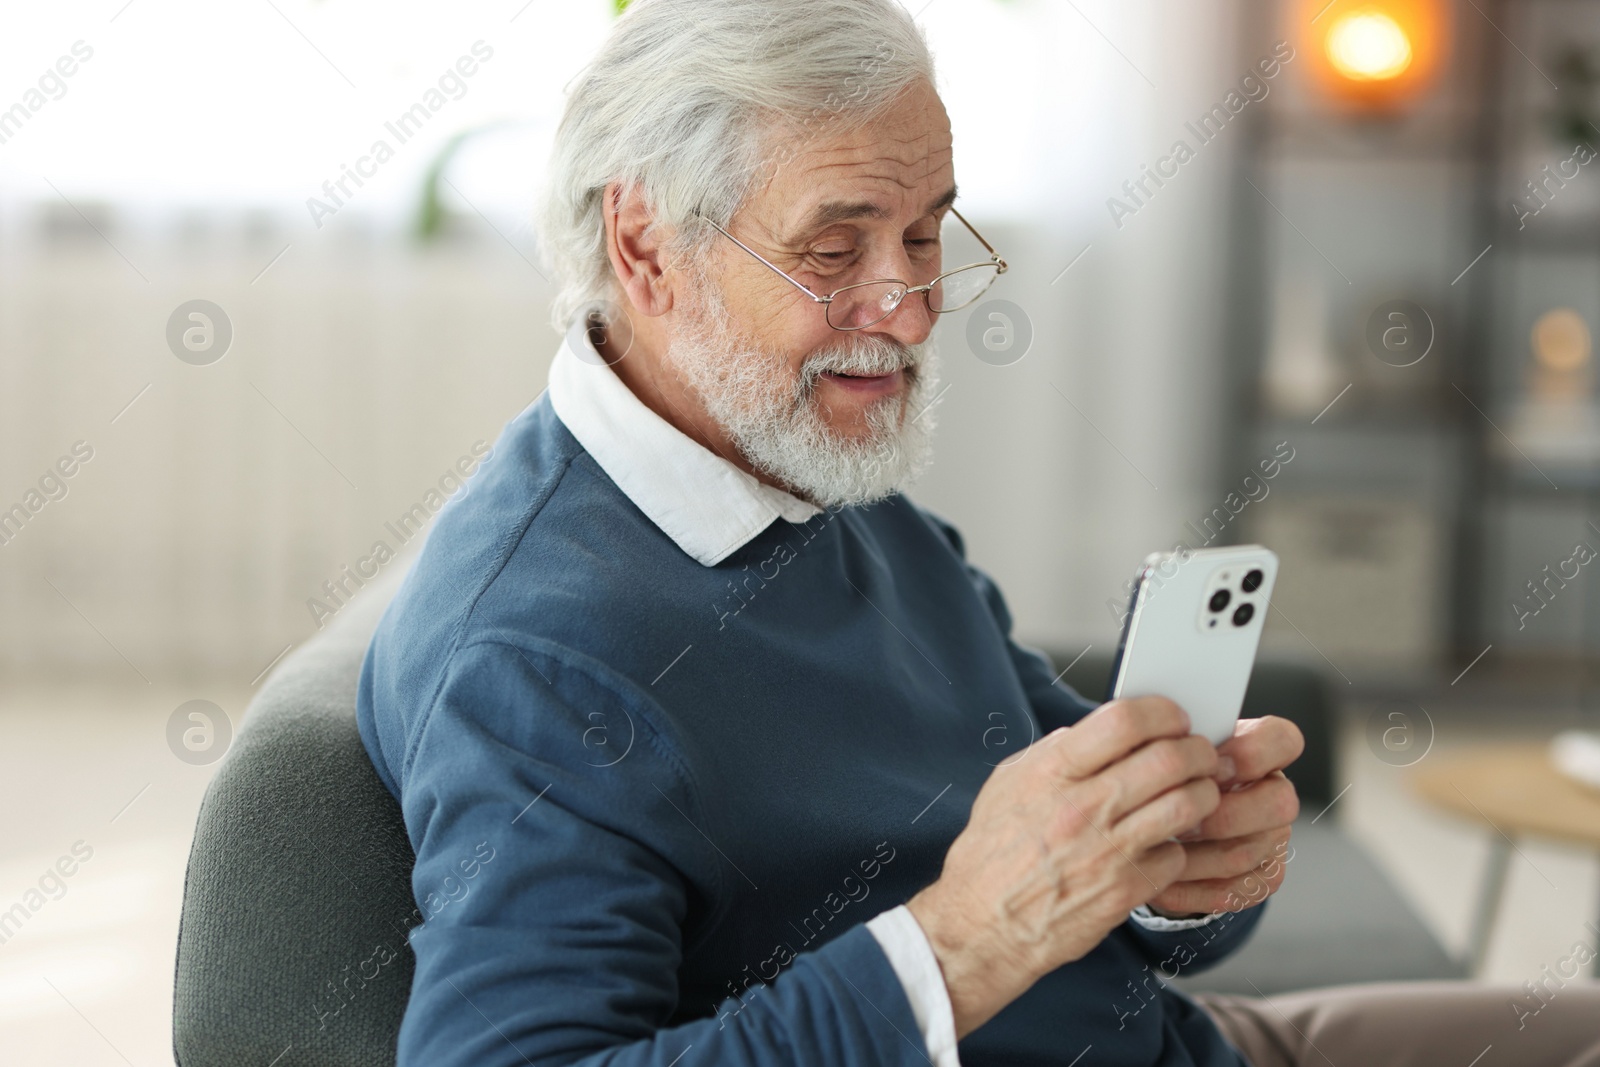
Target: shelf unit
{"points": [[1376, 209]]}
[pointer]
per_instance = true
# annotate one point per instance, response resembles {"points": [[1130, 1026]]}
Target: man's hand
{"points": [[1236, 854], [1061, 844]]}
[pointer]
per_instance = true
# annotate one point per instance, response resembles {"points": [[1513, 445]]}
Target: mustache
{"points": [[869, 356]]}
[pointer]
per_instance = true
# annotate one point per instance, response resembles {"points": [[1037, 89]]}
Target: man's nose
{"points": [[910, 323]]}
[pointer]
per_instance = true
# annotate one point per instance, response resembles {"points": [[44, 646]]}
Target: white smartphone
{"points": [[1191, 631]]}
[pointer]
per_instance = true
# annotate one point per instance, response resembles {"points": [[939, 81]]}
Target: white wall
{"points": [[219, 501], [1060, 503], [362, 368]]}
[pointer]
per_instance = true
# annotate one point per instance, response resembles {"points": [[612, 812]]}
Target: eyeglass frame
{"points": [[907, 289]]}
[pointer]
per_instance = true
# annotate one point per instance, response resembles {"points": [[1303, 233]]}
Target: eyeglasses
{"points": [[855, 307]]}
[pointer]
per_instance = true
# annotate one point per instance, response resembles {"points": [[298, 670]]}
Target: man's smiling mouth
{"points": [[866, 383]]}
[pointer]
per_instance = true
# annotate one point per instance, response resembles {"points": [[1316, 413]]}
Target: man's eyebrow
{"points": [[831, 211], [945, 199]]}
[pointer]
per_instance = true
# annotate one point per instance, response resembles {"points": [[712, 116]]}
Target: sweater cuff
{"points": [[1161, 924], [906, 946]]}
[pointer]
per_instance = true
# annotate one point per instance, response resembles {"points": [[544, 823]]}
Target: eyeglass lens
{"points": [[860, 306]]}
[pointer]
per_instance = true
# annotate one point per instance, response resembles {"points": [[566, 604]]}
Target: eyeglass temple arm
{"points": [[1001, 263], [782, 274]]}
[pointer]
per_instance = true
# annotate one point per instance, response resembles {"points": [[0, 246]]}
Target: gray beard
{"points": [[777, 424]]}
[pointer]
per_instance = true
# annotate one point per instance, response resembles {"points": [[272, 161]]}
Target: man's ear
{"points": [[634, 251]]}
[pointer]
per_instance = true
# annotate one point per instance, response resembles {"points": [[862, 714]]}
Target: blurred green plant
{"points": [[432, 215], [431, 212]]}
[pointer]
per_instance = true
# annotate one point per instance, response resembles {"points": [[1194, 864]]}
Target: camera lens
{"points": [[1252, 581], [1219, 600], [1243, 613]]}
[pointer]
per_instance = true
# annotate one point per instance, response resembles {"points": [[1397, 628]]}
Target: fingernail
{"points": [[1190, 835], [1226, 768]]}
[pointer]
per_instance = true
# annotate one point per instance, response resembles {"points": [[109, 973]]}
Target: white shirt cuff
{"points": [[903, 942], [1151, 921]]}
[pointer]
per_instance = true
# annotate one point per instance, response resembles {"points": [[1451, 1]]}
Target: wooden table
{"points": [[1517, 792]]}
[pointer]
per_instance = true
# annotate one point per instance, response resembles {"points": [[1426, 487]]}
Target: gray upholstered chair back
{"points": [[292, 945]]}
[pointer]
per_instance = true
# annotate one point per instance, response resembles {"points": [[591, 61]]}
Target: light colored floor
{"points": [[1437, 859], [88, 979]]}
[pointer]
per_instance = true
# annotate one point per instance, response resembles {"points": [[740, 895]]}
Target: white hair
{"points": [[698, 104]]}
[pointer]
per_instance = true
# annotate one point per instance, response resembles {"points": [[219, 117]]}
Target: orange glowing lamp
{"points": [[1373, 54]]}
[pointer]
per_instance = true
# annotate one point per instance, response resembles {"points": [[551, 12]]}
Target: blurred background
{"points": [[1321, 275]]}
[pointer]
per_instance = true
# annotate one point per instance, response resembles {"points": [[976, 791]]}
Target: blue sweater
{"points": [[654, 803]]}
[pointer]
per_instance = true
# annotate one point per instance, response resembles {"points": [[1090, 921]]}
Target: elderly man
{"points": [[760, 773]]}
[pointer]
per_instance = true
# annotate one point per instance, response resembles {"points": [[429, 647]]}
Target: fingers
{"points": [[1159, 866], [1260, 746], [1212, 860], [1150, 771], [1215, 896], [1164, 816], [1228, 876], [1268, 804], [1114, 729]]}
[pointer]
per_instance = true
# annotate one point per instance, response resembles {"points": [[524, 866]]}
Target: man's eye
{"points": [[831, 257]]}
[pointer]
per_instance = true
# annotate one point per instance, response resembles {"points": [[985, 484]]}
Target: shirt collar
{"points": [[709, 507]]}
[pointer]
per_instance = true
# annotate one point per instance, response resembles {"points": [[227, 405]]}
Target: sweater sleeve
{"points": [[551, 871], [909, 952]]}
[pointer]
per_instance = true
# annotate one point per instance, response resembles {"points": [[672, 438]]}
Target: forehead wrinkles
{"points": [[867, 174], [903, 160], [893, 179], [903, 147]]}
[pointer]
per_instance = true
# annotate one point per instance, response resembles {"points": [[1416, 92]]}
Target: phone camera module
{"points": [[1252, 581], [1243, 614], [1219, 600]]}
